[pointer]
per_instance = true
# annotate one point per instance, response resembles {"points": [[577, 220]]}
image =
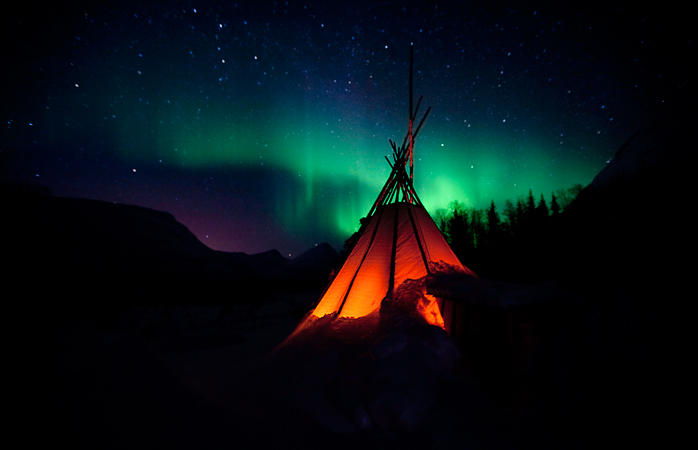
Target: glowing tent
{"points": [[398, 241]]}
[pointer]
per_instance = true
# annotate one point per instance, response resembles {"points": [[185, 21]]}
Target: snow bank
{"points": [[380, 372]]}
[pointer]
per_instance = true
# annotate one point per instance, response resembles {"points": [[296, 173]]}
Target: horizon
{"points": [[262, 127]]}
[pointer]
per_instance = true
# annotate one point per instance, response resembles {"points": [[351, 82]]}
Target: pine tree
{"points": [[459, 229], [493, 220], [530, 203], [510, 213], [554, 207], [520, 212], [494, 226], [542, 208], [477, 227]]}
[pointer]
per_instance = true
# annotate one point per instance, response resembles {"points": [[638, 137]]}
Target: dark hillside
{"points": [[99, 253], [600, 339]]}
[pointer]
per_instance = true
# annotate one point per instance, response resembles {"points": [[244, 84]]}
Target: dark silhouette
{"points": [[512, 249], [554, 206]]}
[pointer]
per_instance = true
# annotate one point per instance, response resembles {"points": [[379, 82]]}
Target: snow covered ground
{"points": [[207, 377]]}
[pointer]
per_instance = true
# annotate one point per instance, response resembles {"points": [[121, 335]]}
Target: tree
{"points": [[477, 227], [566, 196], [459, 229], [563, 198], [493, 220], [554, 206], [510, 213], [575, 190], [530, 204], [493, 228], [441, 218], [542, 208], [521, 215]]}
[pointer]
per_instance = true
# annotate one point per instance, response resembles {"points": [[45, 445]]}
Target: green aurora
{"points": [[259, 127]]}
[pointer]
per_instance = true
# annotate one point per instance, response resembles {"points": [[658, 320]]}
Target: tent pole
{"points": [[411, 120]]}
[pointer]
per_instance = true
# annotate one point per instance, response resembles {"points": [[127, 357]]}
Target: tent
{"points": [[398, 241]]}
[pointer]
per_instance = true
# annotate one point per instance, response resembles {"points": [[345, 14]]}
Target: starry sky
{"points": [[264, 125]]}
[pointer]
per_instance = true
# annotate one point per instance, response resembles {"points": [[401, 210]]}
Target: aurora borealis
{"points": [[263, 125]]}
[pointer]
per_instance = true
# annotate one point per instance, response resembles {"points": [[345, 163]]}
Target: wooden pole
{"points": [[411, 67], [411, 143]]}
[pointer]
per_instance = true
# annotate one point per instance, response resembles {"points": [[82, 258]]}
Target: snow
{"points": [[244, 376], [193, 377]]}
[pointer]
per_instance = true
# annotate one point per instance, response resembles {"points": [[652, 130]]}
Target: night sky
{"points": [[264, 127]]}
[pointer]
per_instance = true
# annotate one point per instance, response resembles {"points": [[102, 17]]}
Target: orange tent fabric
{"points": [[398, 244]]}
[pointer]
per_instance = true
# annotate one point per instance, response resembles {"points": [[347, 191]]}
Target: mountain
{"points": [[600, 339], [307, 271], [125, 254], [627, 226], [620, 246]]}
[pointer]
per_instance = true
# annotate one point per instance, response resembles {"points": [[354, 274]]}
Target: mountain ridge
{"points": [[61, 239]]}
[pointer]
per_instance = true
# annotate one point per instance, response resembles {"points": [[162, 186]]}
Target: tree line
{"points": [[505, 245]]}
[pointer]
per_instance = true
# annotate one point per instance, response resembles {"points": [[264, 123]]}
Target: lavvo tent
{"points": [[398, 241]]}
